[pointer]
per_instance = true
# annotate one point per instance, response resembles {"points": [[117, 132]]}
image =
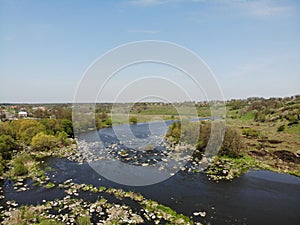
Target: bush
{"points": [[67, 126], [62, 138], [250, 132], [133, 120], [281, 128], [174, 131], [43, 142], [22, 164], [204, 135], [20, 169], [259, 117], [7, 144], [190, 132], [232, 143], [108, 121]]}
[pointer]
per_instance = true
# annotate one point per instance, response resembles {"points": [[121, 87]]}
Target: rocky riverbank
{"points": [[114, 206]]}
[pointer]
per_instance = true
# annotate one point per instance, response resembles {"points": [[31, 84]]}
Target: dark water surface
{"points": [[258, 197]]}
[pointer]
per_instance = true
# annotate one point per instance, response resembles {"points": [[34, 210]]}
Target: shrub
{"points": [[250, 132], [190, 132], [22, 164], [204, 135], [43, 142], [67, 126], [62, 138], [7, 144], [232, 143], [108, 121], [20, 169], [174, 131], [259, 117], [133, 120], [281, 128]]}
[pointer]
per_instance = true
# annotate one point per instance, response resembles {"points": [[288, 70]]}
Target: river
{"points": [[257, 197]]}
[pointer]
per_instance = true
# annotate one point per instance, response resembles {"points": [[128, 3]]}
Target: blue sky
{"points": [[253, 47]]}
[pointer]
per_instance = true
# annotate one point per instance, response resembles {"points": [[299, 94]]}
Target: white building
{"points": [[22, 114]]}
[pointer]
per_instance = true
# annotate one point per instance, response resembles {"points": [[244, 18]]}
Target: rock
{"points": [[201, 213]]}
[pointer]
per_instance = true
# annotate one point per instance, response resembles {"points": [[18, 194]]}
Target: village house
{"points": [[22, 114]]}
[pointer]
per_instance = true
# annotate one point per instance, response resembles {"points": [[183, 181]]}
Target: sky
{"points": [[252, 47]]}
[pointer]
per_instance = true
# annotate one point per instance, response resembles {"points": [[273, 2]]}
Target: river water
{"points": [[258, 197]]}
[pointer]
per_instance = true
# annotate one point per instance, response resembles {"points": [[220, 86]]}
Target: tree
{"points": [[42, 141], [5, 128], [7, 144], [52, 125], [40, 113], [28, 129], [62, 112], [67, 126]]}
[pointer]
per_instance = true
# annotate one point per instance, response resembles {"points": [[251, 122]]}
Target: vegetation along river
{"points": [[257, 197]]}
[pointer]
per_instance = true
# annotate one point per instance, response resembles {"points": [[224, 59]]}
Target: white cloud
{"points": [[254, 8], [236, 9], [261, 8]]}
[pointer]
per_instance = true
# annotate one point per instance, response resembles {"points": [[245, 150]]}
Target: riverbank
{"points": [[240, 201], [113, 207]]}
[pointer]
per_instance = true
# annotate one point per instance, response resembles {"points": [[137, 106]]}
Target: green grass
{"points": [[84, 220], [295, 129], [50, 185], [227, 168], [248, 116]]}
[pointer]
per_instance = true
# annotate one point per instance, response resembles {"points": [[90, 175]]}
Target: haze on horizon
{"points": [[252, 47]]}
